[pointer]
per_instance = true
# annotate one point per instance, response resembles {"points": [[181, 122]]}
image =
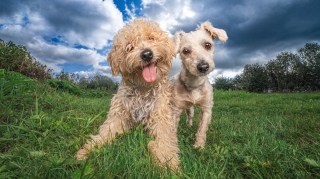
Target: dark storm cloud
{"points": [[68, 16], [258, 30], [10, 7], [294, 21]]}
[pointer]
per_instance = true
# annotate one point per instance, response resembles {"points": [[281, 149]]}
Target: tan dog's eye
{"points": [[186, 51], [129, 48], [207, 46]]}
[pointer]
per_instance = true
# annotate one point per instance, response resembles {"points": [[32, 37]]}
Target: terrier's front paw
{"points": [[189, 122], [199, 144]]}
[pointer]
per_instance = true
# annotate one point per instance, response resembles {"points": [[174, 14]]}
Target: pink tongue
{"points": [[149, 73]]}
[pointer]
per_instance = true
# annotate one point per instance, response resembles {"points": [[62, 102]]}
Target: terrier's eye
{"points": [[208, 45], [186, 51]]}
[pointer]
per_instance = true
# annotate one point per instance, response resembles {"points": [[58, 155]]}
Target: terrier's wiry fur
{"points": [[140, 45], [191, 86]]}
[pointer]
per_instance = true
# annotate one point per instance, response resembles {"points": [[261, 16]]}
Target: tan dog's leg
{"points": [[176, 117], [117, 123], [201, 135], [190, 114], [164, 148]]}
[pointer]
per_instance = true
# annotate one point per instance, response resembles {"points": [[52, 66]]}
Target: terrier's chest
{"points": [[192, 97], [195, 96]]}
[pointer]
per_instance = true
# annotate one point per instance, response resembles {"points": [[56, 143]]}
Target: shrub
{"points": [[65, 85], [16, 58], [224, 83]]}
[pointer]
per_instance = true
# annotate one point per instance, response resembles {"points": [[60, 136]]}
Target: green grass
{"points": [[251, 136]]}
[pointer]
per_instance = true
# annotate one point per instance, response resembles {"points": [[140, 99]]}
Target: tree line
{"points": [[288, 72], [17, 58]]}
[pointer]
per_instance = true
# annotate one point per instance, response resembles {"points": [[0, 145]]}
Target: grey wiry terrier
{"points": [[191, 86]]}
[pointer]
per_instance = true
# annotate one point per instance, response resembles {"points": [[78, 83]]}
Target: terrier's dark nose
{"points": [[146, 55], [203, 67]]}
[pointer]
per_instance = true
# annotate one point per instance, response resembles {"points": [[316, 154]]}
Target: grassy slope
{"points": [[252, 135]]}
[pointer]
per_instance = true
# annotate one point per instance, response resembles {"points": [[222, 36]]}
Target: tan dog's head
{"points": [[197, 48], [141, 52]]}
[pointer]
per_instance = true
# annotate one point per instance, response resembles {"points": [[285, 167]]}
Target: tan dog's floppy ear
{"points": [[177, 40], [114, 62], [214, 32]]}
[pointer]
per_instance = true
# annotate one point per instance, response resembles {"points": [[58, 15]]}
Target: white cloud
{"points": [[226, 73], [169, 13], [145, 3], [90, 23], [176, 66], [54, 55], [107, 73], [131, 12]]}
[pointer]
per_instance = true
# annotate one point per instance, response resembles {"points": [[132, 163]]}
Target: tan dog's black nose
{"points": [[146, 55], [203, 67]]}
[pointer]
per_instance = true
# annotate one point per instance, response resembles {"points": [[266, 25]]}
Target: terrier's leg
{"points": [[190, 114], [203, 127]]}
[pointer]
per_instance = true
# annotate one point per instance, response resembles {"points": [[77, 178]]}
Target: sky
{"points": [[76, 35]]}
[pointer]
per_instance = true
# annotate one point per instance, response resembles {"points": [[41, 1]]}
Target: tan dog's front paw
{"points": [[82, 154], [164, 157]]}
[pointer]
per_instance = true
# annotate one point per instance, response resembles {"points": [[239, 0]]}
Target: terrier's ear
{"points": [[177, 40], [114, 61], [214, 32]]}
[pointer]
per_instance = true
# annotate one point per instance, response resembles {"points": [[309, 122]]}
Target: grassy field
{"points": [[251, 136]]}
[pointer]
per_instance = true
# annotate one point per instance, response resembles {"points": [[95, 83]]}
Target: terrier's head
{"points": [[196, 48]]}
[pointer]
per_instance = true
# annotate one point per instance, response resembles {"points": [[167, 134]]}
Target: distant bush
{"points": [[223, 83], [16, 58], [65, 85], [100, 82]]}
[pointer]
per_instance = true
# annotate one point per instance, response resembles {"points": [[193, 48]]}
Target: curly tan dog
{"points": [[142, 53], [191, 86]]}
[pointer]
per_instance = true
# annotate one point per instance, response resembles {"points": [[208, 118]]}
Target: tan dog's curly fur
{"points": [[137, 101], [191, 86]]}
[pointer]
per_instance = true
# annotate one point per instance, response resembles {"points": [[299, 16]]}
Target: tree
{"points": [[94, 82], [310, 54], [237, 82], [223, 83], [255, 78], [287, 72], [102, 82], [283, 72]]}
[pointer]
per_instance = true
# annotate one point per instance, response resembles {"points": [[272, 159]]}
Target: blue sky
{"points": [[76, 35]]}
